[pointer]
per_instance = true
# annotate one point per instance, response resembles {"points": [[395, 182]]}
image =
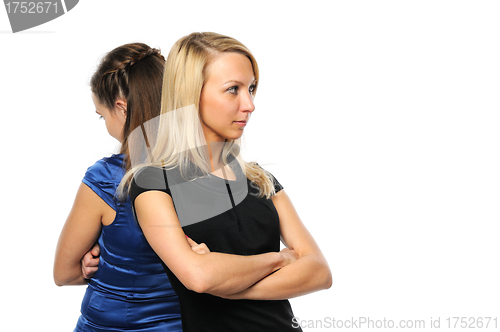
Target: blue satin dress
{"points": [[130, 290]]}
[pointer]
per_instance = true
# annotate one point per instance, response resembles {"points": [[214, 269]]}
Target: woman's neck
{"points": [[215, 151]]}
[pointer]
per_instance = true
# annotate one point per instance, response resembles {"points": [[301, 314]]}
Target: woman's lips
{"points": [[241, 123]]}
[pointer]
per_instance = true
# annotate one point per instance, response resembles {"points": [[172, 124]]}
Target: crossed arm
{"points": [[80, 232], [232, 276]]}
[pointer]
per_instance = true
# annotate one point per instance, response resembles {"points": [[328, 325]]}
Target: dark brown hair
{"points": [[133, 72]]}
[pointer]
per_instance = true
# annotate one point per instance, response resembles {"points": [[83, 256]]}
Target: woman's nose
{"points": [[247, 104]]}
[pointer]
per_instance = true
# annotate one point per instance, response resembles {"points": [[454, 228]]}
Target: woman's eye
{"points": [[100, 118], [252, 88], [233, 89]]}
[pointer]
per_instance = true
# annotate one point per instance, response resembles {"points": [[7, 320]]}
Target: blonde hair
{"points": [[178, 139]]}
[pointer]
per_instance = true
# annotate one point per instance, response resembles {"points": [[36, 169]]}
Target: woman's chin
{"points": [[234, 137]]}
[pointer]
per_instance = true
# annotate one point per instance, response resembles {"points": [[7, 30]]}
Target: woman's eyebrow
{"points": [[239, 82]]}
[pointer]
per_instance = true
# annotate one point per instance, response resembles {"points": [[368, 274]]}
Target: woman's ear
{"points": [[121, 107]]}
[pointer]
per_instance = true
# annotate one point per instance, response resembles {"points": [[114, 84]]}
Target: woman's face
{"points": [[115, 120], [227, 97]]}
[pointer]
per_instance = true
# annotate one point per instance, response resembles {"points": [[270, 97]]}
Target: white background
{"points": [[380, 118]]}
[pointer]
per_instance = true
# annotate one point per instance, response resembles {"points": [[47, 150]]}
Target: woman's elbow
{"points": [[58, 279], [198, 286], [59, 283], [323, 275], [61, 276], [328, 278], [196, 280]]}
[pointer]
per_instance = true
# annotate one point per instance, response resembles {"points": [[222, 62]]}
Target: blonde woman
{"points": [[198, 185]]}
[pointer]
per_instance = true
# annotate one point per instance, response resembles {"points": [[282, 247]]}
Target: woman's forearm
{"points": [[308, 274], [79, 233], [223, 274], [69, 277], [67, 270]]}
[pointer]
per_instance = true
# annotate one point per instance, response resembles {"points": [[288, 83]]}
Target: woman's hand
{"points": [[289, 255], [198, 248], [90, 262]]}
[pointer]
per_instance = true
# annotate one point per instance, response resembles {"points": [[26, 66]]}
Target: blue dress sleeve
{"points": [[102, 179]]}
